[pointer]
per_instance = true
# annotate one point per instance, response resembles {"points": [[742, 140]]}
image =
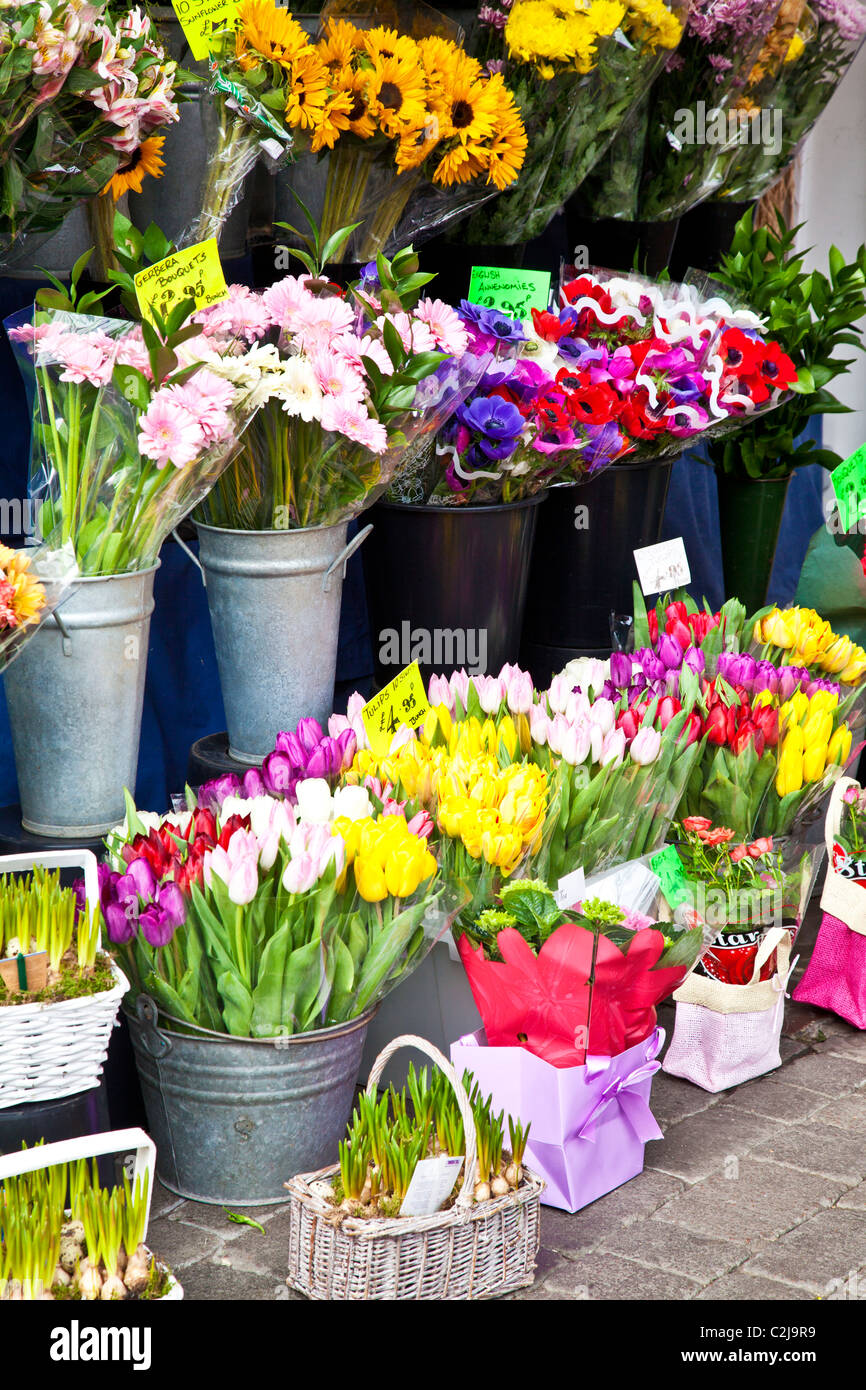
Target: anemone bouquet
{"points": [[576, 72]]}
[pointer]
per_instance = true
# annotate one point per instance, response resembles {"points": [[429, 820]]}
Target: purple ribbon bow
{"points": [[622, 1090]]}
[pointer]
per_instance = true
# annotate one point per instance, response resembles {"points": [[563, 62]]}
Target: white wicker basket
{"points": [[473, 1250], [95, 1146], [48, 1051]]}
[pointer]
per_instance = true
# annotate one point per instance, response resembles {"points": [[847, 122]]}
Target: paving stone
{"points": [[214, 1218], [814, 1073], [582, 1231], [815, 1148], [677, 1250], [262, 1254], [605, 1276], [791, 1047], [848, 1042], [751, 1288], [206, 1280], [178, 1244], [775, 1100], [822, 1250], [698, 1146], [760, 1202], [673, 1099], [801, 1018], [163, 1201], [854, 1198], [849, 1112]]}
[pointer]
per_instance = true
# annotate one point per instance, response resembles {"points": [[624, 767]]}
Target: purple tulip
{"points": [[310, 733], [252, 784], [620, 669], [157, 926], [290, 746], [670, 653], [143, 879], [672, 683], [121, 924], [790, 679], [695, 660], [651, 664], [320, 762], [347, 742], [212, 794], [278, 773], [766, 677], [171, 902]]}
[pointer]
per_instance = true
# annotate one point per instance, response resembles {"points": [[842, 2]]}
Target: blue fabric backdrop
{"points": [[183, 702]]}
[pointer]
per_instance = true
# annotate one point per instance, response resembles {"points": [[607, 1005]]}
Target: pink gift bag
{"points": [[589, 1124], [835, 977]]}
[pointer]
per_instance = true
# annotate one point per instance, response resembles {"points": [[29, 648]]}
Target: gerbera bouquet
{"points": [[576, 71], [673, 151], [342, 385], [413, 129], [130, 427], [570, 984], [262, 922], [83, 94], [828, 38]]}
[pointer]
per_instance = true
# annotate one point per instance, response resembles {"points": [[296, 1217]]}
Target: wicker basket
{"points": [[48, 1051], [473, 1250], [95, 1146]]}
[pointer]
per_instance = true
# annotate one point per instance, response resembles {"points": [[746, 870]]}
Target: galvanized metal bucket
{"points": [[75, 696], [235, 1118], [274, 599]]}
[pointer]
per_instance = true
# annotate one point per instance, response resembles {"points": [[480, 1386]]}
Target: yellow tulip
{"points": [[502, 846], [763, 697], [370, 880], [823, 699], [789, 777], [524, 733], [793, 711], [840, 745], [854, 671], [814, 762], [508, 736], [777, 628], [406, 869], [838, 655], [817, 728]]}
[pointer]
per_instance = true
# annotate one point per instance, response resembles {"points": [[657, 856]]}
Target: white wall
{"points": [[832, 202]]}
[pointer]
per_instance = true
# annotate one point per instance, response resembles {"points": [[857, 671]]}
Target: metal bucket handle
{"points": [[157, 1044], [345, 554], [67, 635], [465, 1197]]}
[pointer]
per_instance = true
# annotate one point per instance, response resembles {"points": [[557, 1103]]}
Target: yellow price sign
{"points": [[194, 273], [402, 701], [199, 19]]}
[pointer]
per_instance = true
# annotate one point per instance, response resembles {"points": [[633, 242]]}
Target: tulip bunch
{"points": [[740, 668], [815, 745], [303, 753], [262, 920], [804, 634], [681, 634]]}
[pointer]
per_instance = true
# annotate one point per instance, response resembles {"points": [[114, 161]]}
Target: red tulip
{"points": [[746, 733], [629, 722], [717, 725], [653, 624], [232, 824], [767, 720], [204, 823], [677, 609], [680, 632], [691, 729], [668, 707]]}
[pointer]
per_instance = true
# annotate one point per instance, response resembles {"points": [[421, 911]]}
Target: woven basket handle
{"points": [[87, 1146], [60, 859], [464, 1196]]}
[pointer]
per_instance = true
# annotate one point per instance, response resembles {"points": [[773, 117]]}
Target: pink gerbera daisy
{"points": [[445, 325], [169, 433]]}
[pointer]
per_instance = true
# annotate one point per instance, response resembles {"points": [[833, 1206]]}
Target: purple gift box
{"points": [[589, 1123]]}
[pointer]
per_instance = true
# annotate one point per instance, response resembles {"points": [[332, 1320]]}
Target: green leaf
{"points": [[133, 386], [242, 1220], [335, 241], [80, 266]]}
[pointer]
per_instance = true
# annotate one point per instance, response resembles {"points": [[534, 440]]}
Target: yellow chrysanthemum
{"points": [[650, 22], [307, 91], [146, 160], [269, 33]]}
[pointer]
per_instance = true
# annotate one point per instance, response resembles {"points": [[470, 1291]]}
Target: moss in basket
{"points": [[37, 914], [69, 982]]}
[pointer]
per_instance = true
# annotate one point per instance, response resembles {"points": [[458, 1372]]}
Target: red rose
{"points": [[760, 847], [696, 823], [721, 836]]}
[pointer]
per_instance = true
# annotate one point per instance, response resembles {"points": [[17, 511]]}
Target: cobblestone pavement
{"points": [[757, 1193]]}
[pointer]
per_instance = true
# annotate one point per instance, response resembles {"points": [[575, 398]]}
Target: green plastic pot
{"points": [[750, 515]]}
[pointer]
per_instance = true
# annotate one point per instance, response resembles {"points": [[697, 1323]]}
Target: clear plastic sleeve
{"points": [[117, 462], [34, 581]]}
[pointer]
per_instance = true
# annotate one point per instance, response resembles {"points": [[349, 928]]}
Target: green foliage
{"points": [[811, 316]]}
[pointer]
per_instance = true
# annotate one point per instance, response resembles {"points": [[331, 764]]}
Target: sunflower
{"points": [[381, 43], [307, 91], [397, 95], [147, 159], [469, 102], [266, 32], [340, 45], [354, 85], [334, 120], [21, 596], [507, 150]]}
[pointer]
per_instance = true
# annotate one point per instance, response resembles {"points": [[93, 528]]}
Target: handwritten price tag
{"points": [[194, 274], [402, 701], [201, 18], [662, 567], [849, 485], [515, 292]]}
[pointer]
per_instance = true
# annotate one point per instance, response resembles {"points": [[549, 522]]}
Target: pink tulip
{"points": [[613, 748], [439, 692], [645, 746], [538, 724], [601, 712], [459, 682], [576, 744], [557, 695]]}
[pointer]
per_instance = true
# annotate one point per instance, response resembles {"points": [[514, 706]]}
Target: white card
{"points": [[570, 889], [431, 1184], [662, 567]]}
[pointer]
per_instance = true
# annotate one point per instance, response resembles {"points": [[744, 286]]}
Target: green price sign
{"points": [[514, 292], [849, 485]]}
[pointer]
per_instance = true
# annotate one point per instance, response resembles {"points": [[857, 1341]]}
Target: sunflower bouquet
{"points": [[576, 73], [817, 56], [84, 94], [412, 127]]}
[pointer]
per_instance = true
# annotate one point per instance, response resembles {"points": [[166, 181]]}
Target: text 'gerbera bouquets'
{"points": [[343, 385], [83, 95], [130, 430], [576, 72], [567, 984], [796, 90], [263, 922]]}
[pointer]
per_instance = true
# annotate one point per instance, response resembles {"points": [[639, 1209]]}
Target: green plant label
{"points": [[668, 866], [849, 485], [514, 292]]}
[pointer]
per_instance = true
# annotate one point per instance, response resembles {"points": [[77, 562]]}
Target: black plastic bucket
{"points": [[582, 568], [446, 586]]}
